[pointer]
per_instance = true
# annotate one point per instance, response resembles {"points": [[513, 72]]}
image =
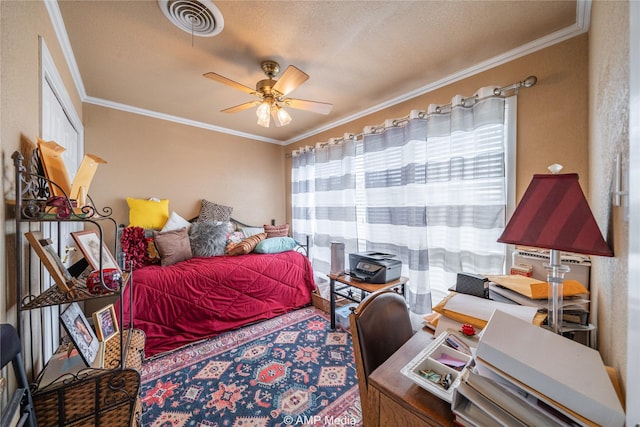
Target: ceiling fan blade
{"points": [[290, 79], [316, 107], [241, 107], [229, 82]]}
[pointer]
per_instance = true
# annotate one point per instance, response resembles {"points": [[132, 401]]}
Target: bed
{"points": [[203, 296]]}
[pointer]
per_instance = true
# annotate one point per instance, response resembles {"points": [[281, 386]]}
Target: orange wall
{"points": [[22, 23], [149, 157], [552, 115]]}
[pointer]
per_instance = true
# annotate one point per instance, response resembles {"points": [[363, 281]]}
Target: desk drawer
{"points": [[392, 414]]}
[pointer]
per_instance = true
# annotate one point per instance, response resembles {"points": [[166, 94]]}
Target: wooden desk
{"points": [[364, 287], [395, 400]]}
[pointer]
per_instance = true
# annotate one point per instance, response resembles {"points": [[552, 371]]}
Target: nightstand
{"points": [[355, 290]]}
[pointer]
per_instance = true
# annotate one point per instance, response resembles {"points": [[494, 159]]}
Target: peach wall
{"points": [[148, 157], [21, 25], [552, 115]]}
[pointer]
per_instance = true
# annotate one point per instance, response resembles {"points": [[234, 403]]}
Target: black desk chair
{"points": [[11, 351], [380, 325]]}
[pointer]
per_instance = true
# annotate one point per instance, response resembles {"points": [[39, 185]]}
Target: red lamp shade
{"points": [[554, 214]]}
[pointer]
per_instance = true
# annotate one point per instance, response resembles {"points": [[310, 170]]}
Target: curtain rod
{"points": [[499, 91], [416, 114]]}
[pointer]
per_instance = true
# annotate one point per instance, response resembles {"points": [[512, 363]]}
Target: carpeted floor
{"points": [[291, 370]]}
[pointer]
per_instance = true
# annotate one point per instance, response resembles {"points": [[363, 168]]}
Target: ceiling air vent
{"points": [[196, 17]]}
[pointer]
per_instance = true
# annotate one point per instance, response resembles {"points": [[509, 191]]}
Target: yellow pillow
{"points": [[148, 213]]}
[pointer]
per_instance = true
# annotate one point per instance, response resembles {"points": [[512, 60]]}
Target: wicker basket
{"points": [[318, 301], [97, 397], [134, 342]]}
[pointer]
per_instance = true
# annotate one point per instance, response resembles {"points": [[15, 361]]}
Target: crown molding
{"points": [[583, 15], [65, 45], [175, 119]]}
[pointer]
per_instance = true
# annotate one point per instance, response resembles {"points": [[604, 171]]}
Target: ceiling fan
{"points": [[272, 94]]}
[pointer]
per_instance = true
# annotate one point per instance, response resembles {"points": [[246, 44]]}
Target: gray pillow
{"points": [[208, 238]]}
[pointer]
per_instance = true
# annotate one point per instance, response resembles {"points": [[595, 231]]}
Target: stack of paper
{"points": [[534, 293], [482, 400], [536, 289], [527, 375], [477, 311]]}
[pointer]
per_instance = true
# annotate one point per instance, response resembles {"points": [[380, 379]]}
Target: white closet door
{"points": [[57, 126], [60, 123]]}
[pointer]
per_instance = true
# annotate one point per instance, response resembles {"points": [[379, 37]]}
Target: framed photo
{"points": [[106, 323], [47, 254], [88, 242], [78, 329]]}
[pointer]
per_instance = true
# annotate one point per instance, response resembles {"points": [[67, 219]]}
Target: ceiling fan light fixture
{"points": [[264, 122], [273, 94], [263, 113], [283, 117]]}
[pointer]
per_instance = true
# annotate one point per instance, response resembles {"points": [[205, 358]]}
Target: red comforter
{"points": [[202, 297]]}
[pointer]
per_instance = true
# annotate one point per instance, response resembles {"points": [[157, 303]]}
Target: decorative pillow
{"points": [[134, 246], [208, 238], [236, 237], [138, 247], [175, 222], [276, 245], [173, 246], [148, 213], [251, 231], [276, 230], [210, 211], [153, 257], [246, 246]]}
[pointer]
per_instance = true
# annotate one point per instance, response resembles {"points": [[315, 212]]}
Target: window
{"points": [[437, 203]]}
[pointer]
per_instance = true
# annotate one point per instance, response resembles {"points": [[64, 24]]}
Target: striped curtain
{"points": [[395, 198], [466, 188], [302, 194], [323, 200], [431, 191]]}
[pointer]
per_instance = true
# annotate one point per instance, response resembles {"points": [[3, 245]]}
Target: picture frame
{"points": [[106, 323], [50, 259], [77, 327], [88, 241]]}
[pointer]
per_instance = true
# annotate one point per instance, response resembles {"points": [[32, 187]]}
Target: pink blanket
{"points": [[202, 297]]}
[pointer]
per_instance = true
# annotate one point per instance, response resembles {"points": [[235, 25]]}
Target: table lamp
{"points": [[554, 214]]}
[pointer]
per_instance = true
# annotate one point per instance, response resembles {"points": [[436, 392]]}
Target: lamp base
{"points": [[555, 278]]}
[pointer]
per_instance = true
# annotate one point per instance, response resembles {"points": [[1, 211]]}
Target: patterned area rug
{"points": [[291, 370]]}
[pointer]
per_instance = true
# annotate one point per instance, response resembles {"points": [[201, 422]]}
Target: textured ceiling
{"points": [[359, 54]]}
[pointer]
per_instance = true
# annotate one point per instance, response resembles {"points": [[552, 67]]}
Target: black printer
{"points": [[374, 267]]}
